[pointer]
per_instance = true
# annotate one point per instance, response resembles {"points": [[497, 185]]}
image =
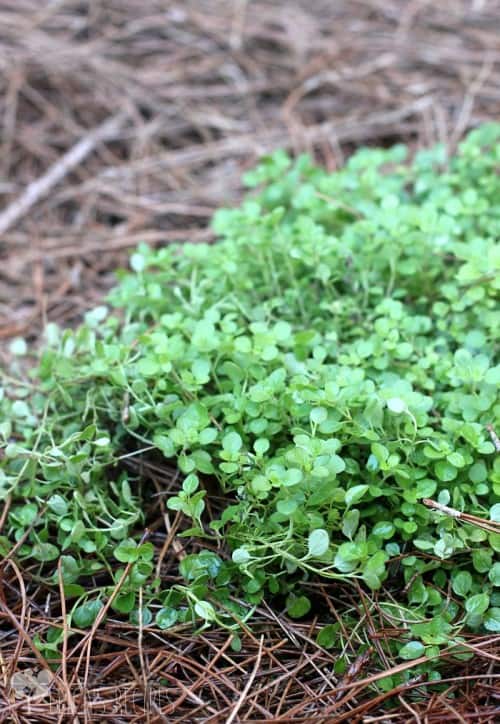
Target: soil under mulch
{"points": [[125, 121]]}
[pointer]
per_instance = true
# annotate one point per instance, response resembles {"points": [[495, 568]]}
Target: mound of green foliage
{"points": [[328, 365]]}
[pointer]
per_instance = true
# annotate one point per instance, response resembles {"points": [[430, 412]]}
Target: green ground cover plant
{"points": [[325, 368]]}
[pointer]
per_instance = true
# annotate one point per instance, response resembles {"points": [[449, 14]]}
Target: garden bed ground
{"points": [[195, 92]]}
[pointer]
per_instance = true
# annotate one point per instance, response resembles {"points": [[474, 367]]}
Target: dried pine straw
{"points": [[190, 94]]}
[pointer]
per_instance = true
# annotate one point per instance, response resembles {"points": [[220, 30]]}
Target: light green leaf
{"points": [[495, 512], [492, 620], [205, 610], [57, 504], [354, 494], [411, 650], [318, 415], [478, 604], [232, 443], [461, 583], [396, 405], [166, 618], [241, 556], [318, 543]]}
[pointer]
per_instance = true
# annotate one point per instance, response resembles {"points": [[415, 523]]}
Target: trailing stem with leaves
{"points": [[325, 369]]}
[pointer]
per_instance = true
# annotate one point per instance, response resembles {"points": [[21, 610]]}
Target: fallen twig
{"points": [[490, 525], [72, 158]]}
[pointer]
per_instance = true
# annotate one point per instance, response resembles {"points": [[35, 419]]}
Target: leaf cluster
{"points": [[330, 363]]}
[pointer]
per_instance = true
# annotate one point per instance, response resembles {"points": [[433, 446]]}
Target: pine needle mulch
{"points": [[124, 121]]}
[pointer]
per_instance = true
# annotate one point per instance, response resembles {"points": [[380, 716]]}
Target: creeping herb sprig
{"points": [[324, 369]]}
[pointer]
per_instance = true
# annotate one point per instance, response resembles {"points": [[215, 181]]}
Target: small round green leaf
{"points": [[478, 604], [84, 616], [354, 494], [318, 543], [166, 617], [297, 606], [44, 552], [396, 405], [241, 556], [205, 610], [495, 513], [461, 583], [318, 415], [328, 636], [411, 650]]}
